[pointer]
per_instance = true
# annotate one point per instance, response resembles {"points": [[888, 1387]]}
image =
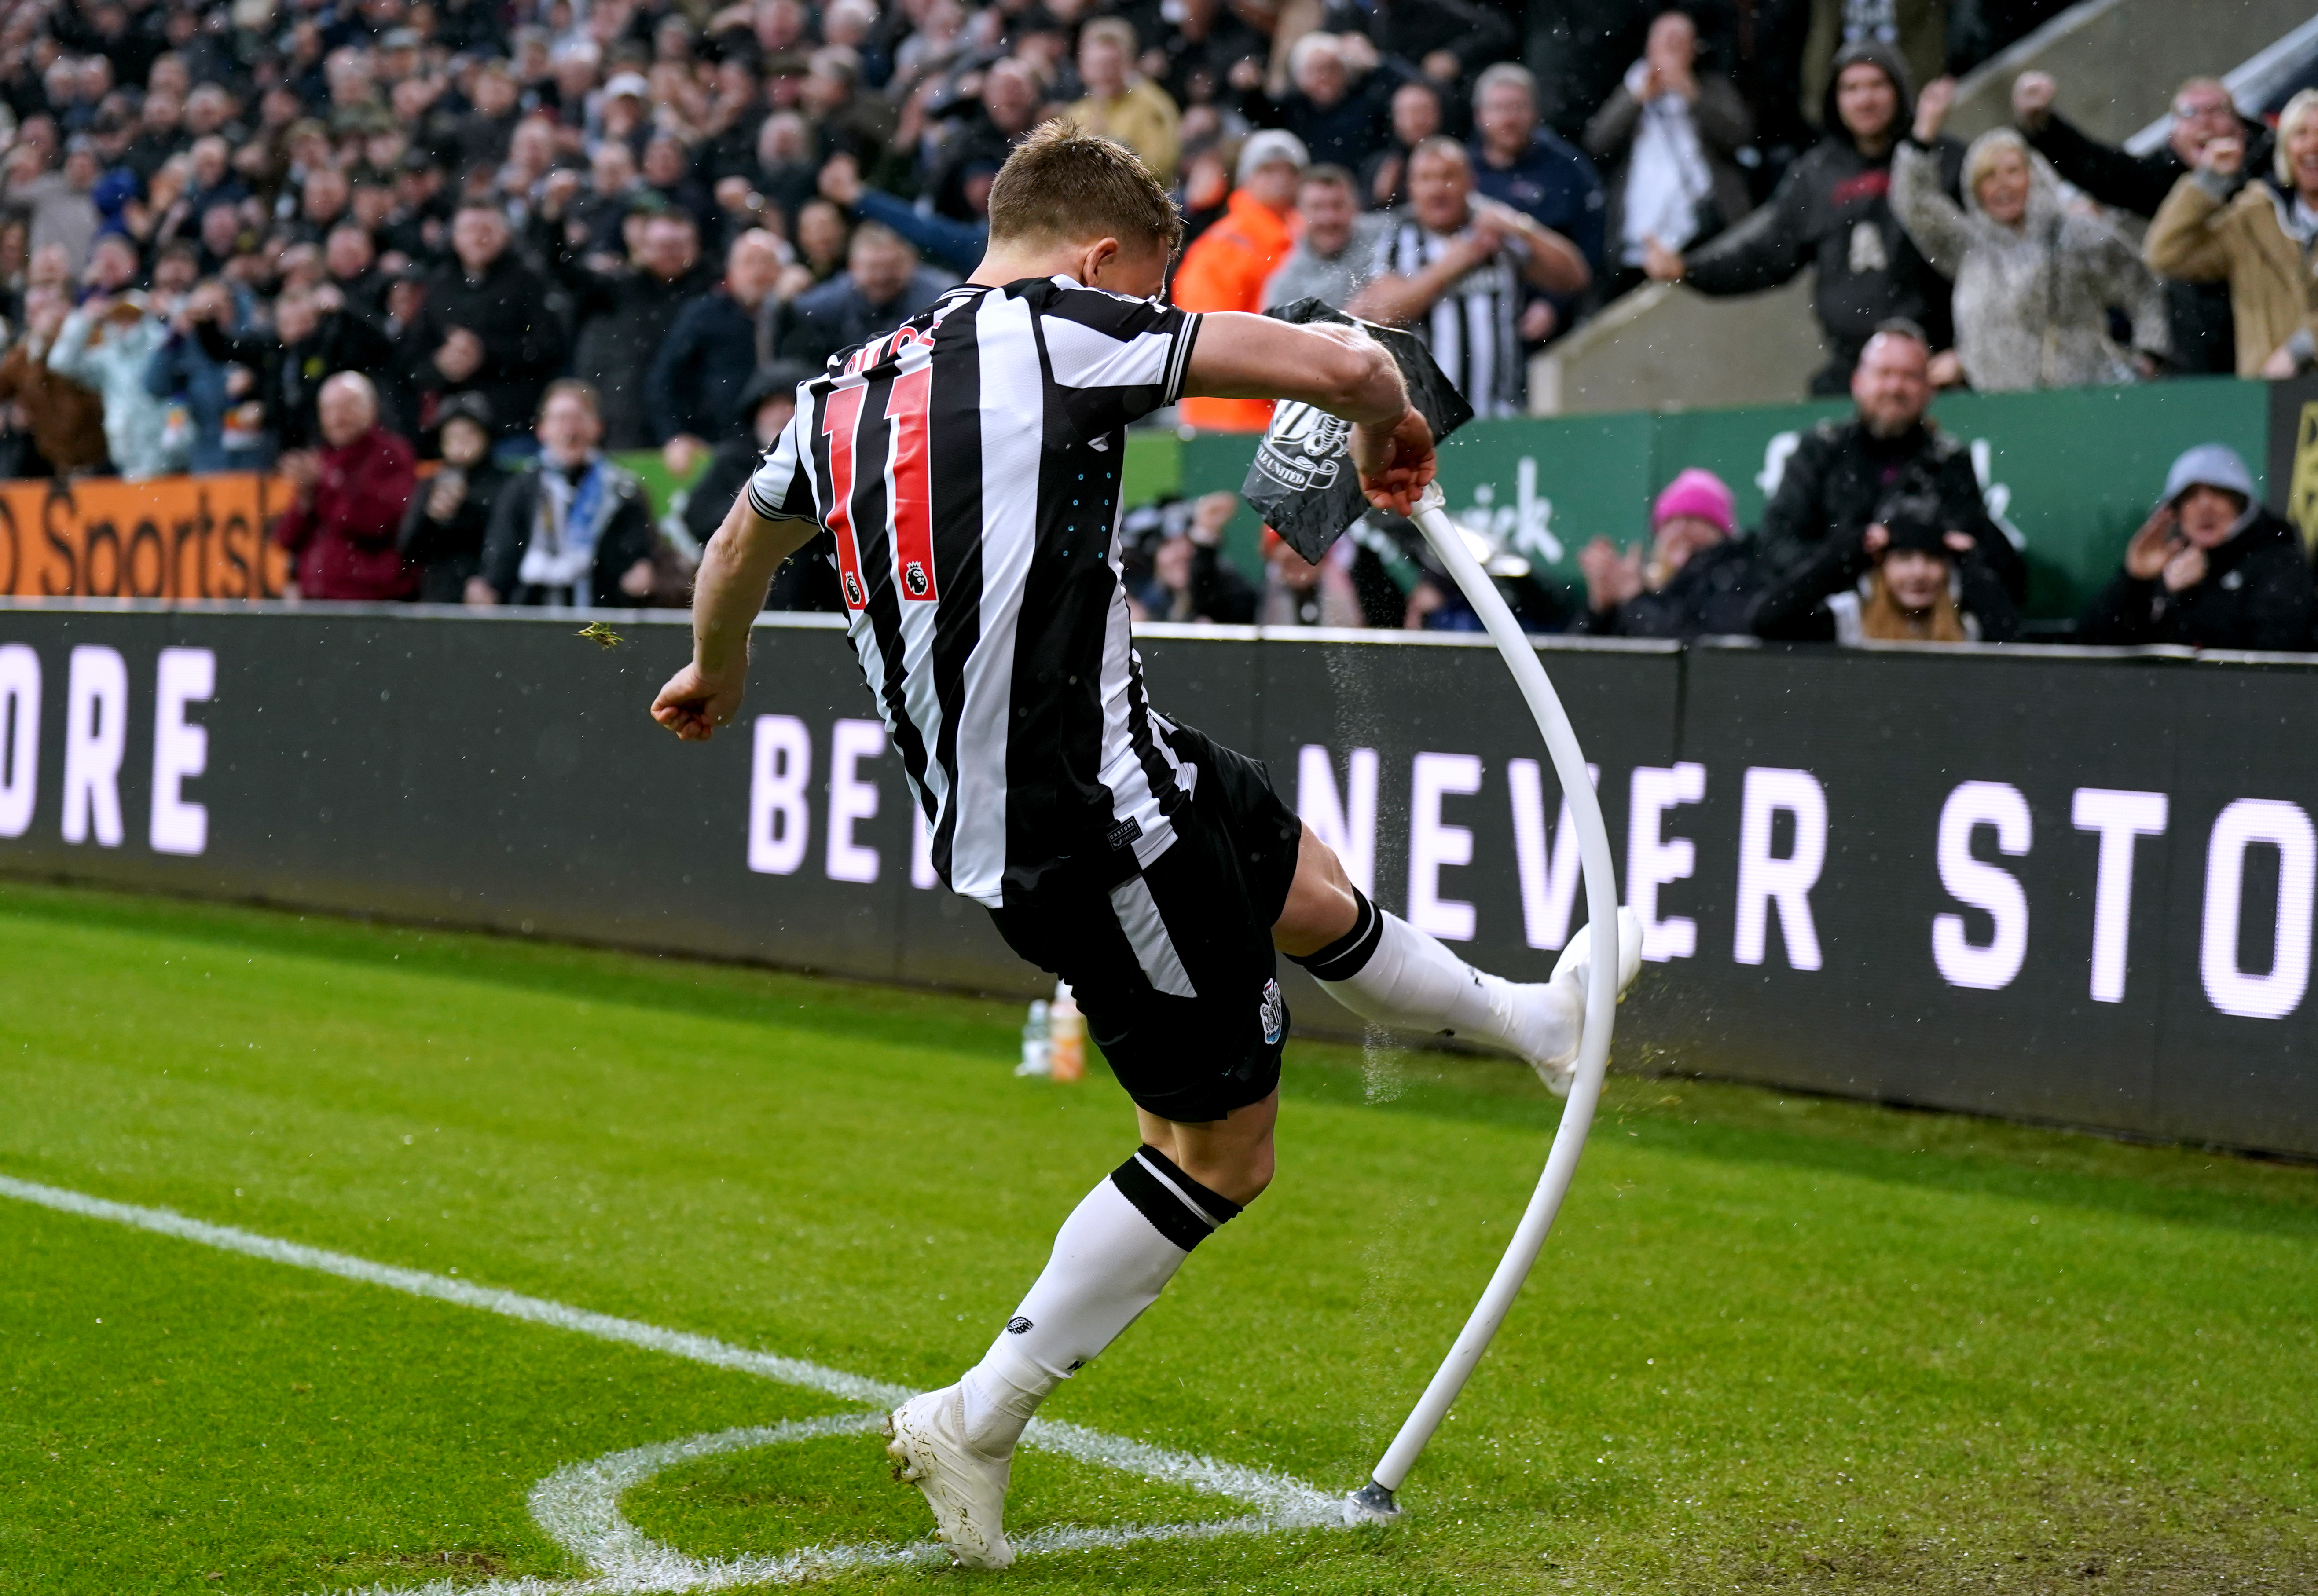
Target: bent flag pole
{"points": [[1301, 482], [1374, 1501]]}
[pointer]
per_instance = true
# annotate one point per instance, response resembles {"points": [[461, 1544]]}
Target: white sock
{"points": [[1388, 972], [1112, 1258]]}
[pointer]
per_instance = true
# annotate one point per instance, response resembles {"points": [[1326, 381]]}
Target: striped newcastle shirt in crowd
{"points": [[1472, 328], [966, 466]]}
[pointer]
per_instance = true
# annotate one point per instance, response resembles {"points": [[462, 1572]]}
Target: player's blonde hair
{"points": [[1063, 185]]}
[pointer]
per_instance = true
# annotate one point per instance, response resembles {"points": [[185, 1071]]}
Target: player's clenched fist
{"points": [[693, 706]]}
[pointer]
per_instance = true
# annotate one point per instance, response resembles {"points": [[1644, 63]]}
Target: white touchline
{"points": [[577, 1506]]}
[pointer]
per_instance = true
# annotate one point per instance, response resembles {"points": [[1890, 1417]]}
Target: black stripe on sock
{"points": [[1166, 1211], [1347, 955], [1219, 1207]]}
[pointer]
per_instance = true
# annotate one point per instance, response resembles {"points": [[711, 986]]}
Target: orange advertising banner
{"points": [[174, 537]]}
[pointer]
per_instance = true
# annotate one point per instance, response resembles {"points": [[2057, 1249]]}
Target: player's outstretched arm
{"points": [[1338, 369], [735, 571]]}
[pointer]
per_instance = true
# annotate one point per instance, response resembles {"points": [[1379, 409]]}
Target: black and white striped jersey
{"points": [[1472, 329], [967, 467]]}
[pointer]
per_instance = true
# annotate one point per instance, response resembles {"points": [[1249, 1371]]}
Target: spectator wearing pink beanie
{"points": [[1699, 579]]}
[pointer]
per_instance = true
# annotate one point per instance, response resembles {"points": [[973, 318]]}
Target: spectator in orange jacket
{"points": [[342, 532], [1225, 266]]}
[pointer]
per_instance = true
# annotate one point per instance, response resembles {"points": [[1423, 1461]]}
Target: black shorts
{"points": [[1173, 965]]}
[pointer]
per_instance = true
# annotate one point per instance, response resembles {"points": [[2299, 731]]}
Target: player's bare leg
{"points": [[1112, 1258], [1385, 970]]}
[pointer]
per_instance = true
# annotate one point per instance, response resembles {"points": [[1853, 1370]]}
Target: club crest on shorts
{"points": [[1273, 1012], [1018, 1325]]}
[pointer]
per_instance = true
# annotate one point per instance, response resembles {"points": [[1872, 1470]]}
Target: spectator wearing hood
{"points": [[2035, 280], [2263, 242], [575, 531], [1906, 576], [2204, 338], [1225, 266], [692, 393], [443, 530], [807, 579], [1842, 472], [1700, 579], [1671, 135], [352, 493], [108, 344], [1832, 210], [2210, 568]]}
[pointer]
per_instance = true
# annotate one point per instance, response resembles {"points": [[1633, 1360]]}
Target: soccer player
{"points": [[966, 468]]}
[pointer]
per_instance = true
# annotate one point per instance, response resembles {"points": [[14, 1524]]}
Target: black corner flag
{"points": [[1301, 479]]}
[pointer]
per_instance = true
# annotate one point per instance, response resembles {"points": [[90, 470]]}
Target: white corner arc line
{"points": [[1282, 1500]]}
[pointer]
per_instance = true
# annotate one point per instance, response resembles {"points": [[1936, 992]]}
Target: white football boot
{"points": [[966, 1488], [1570, 975]]}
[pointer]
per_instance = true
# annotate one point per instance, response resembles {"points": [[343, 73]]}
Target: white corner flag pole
{"points": [[1374, 1501]]}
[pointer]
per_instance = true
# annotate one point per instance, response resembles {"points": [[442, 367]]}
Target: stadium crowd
{"points": [[339, 238]]}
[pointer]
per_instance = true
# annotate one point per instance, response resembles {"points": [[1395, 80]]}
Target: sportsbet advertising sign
{"points": [[2058, 885]]}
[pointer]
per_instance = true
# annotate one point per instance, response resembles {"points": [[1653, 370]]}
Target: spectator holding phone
{"points": [[2210, 568]]}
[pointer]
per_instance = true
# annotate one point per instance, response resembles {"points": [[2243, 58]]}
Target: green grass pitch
{"points": [[1775, 1344]]}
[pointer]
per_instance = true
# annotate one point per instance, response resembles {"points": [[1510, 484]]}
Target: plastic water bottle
{"points": [[1036, 1056], [1066, 1034]]}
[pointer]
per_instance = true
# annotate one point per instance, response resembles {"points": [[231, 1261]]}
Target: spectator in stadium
{"points": [[1669, 135], [63, 214], [1122, 104], [1299, 593], [1700, 579], [807, 580], [486, 327], [444, 528], [1336, 249], [2035, 280], [1842, 472], [623, 313], [313, 334], [1451, 269], [1519, 162], [574, 531], [881, 285], [1415, 117], [1832, 210], [351, 495], [1227, 266], [2201, 334], [954, 246], [2210, 568], [1340, 108], [183, 371], [107, 345], [958, 184], [1906, 576], [2260, 241], [63, 419], [692, 397], [1190, 579]]}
